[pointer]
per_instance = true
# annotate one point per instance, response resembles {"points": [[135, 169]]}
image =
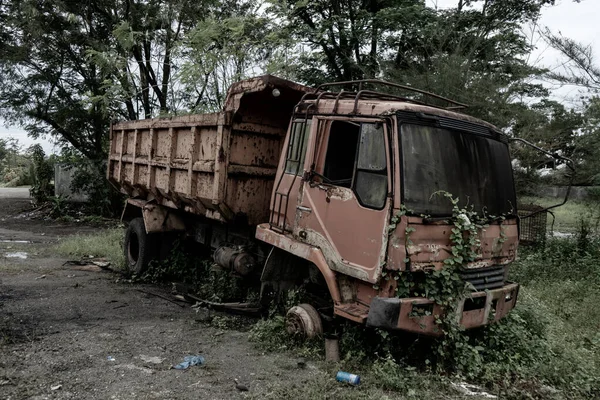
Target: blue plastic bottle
{"points": [[347, 378]]}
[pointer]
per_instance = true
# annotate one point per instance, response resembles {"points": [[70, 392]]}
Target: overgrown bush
{"points": [[90, 179], [562, 259], [527, 182], [42, 172]]}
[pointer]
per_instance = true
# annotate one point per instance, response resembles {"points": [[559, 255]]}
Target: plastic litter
{"points": [[347, 378], [110, 358], [190, 361]]}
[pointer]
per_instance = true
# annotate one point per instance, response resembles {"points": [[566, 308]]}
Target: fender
{"points": [[310, 253], [157, 218]]}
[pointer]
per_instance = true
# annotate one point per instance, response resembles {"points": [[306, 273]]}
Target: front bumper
{"points": [[419, 314]]}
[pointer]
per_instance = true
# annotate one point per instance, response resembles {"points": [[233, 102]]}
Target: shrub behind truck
{"points": [[331, 190]]}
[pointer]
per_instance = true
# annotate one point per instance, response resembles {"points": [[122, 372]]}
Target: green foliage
{"points": [[222, 49], [43, 56], [271, 335], [587, 145], [15, 165], [90, 179], [42, 173], [403, 379], [74, 67], [476, 55]]}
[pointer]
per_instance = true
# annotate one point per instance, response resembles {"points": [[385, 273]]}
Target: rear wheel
{"points": [[139, 247]]}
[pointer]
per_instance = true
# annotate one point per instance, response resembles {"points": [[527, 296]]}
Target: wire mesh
{"points": [[532, 228]]}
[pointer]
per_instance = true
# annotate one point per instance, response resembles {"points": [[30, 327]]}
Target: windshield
{"points": [[474, 168]]}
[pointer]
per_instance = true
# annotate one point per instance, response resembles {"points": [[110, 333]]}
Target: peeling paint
{"points": [[333, 258]]}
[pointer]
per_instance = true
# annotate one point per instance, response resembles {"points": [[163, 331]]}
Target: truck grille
{"points": [[485, 278]]}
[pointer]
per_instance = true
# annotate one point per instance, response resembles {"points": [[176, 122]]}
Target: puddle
{"points": [[14, 241], [16, 254]]}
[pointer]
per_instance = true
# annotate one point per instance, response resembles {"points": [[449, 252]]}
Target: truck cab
{"points": [[355, 159]]}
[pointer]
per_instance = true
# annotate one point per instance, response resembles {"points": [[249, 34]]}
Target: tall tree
{"points": [[47, 81], [345, 38], [68, 68], [229, 44], [139, 66], [475, 53], [580, 68]]}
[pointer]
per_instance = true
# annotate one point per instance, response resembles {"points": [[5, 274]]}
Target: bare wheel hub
{"points": [[303, 319]]}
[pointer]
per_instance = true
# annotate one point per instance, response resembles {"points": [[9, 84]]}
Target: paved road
{"points": [[14, 193]]}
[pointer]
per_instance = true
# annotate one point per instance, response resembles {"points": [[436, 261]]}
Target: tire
{"points": [[139, 247], [304, 320]]}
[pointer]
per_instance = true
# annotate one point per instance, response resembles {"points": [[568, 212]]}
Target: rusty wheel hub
{"points": [[304, 319]]}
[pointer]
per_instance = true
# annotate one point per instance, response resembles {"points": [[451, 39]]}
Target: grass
{"points": [[569, 215], [106, 244], [323, 385]]}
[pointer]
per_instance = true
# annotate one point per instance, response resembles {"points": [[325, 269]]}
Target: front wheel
{"points": [[139, 247], [304, 320]]}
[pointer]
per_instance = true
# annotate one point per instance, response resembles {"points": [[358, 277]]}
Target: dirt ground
{"points": [[67, 333]]}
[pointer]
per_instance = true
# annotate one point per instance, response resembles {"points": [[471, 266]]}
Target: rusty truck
{"points": [[293, 185]]}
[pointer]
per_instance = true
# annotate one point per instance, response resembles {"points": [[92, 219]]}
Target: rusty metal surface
{"points": [[261, 84], [429, 245], [388, 108], [497, 304], [353, 311], [216, 165], [304, 319], [353, 238], [160, 219], [235, 258]]}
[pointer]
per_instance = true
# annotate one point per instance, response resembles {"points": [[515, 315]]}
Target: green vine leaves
{"points": [[444, 287]]}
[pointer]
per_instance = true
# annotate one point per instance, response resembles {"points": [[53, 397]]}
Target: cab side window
{"points": [[356, 159], [296, 152], [341, 153]]}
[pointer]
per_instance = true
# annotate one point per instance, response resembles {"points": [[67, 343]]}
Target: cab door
{"points": [[344, 203]]}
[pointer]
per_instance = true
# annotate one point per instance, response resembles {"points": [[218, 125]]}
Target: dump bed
{"points": [[220, 165]]}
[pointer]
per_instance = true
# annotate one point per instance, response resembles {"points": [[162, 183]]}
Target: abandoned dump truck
{"points": [[296, 185]]}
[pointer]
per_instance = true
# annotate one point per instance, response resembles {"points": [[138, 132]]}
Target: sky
{"points": [[578, 21]]}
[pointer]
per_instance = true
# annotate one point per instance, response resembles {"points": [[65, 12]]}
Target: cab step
{"points": [[355, 311]]}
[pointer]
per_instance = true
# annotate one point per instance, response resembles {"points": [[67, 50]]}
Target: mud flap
{"points": [[384, 313]]}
